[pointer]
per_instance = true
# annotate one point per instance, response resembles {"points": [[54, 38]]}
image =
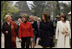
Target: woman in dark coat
{"points": [[35, 32], [6, 29], [45, 29]]}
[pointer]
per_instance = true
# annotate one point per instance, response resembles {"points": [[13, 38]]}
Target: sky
{"points": [[30, 2]]}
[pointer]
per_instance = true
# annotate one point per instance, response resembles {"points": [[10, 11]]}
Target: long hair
{"points": [[46, 17], [63, 16]]}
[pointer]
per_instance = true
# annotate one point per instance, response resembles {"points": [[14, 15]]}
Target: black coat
{"points": [[8, 37], [17, 30], [35, 27], [45, 34]]}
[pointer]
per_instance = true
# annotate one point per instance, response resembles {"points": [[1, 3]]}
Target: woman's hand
{"points": [[31, 39], [20, 40], [67, 34], [6, 32], [63, 32], [39, 38]]}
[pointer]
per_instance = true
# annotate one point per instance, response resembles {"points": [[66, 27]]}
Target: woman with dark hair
{"points": [[63, 33], [44, 34]]}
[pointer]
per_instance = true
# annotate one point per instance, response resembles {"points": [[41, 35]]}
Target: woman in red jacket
{"points": [[13, 30], [25, 32]]}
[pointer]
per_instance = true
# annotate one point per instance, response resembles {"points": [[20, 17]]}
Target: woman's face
{"points": [[62, 18], [35, 18], [31, 18], [19, 20], [43, 17], [23, 18], [9, 18]]}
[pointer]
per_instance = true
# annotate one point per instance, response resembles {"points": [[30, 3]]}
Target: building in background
{"points": [[23, 8]]}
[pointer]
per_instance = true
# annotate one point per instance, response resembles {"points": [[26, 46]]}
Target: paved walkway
{"points": [[17, 42]]}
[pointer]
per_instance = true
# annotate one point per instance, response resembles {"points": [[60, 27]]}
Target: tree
{"points": [[58, 8], [7, 8], [51, 8], [4, 5], [37, 8], [66, 8]]}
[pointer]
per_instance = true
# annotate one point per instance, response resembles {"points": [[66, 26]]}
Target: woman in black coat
{"points": [[35, 31], [6, 29], [45, 32]]}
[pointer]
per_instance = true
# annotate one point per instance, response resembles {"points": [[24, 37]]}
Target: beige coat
{"points": [[62, 42]]}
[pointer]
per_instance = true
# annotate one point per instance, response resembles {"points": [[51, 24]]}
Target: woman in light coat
{"points": [[63, 33]]}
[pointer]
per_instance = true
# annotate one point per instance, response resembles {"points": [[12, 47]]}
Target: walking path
{"points": [[17, 42]]}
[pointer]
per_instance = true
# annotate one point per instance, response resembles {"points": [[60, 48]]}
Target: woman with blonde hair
{"points": [[6, 29], [35, 18], [35, 30], [18, 24]]}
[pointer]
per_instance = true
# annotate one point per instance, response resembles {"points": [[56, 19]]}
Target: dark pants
{"points": [[25, 41], [36, 36]]}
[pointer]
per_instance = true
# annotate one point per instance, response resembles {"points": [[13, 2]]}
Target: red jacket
{"points": [[25, 30]]}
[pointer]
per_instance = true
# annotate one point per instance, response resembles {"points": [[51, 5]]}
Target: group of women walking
{"points": [[31, 29]]}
